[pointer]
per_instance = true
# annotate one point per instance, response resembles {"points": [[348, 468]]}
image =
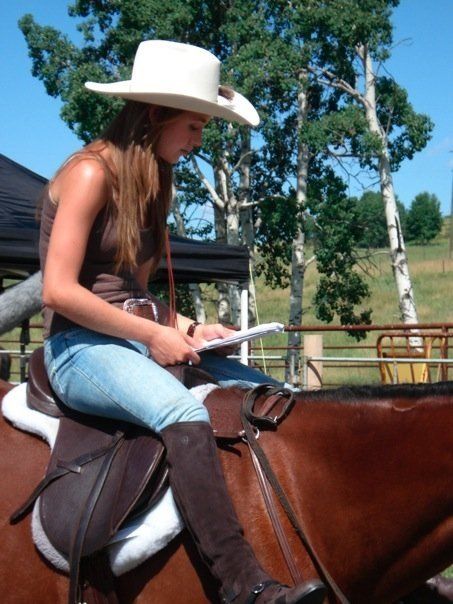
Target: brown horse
{"points": [[369, 471]]}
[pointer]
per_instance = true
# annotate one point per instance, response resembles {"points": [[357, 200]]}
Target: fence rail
{"points": [[274, 359], [293, 360]]}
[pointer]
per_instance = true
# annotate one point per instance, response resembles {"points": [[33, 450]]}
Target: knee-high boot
{"points": [[201, 494]]}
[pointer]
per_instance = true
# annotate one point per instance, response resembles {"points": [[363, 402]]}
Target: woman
{"points": [[102, 235]]}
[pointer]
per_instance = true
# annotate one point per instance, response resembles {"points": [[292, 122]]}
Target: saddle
{"points": [[103, 472]]}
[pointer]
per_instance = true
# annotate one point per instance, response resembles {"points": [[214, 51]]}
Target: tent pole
{"points": [[244, 322]]}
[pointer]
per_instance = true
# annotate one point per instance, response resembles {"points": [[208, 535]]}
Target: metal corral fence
{"points": [[392, 353]]}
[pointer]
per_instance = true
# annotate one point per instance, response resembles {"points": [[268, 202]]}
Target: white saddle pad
{"points": [[134, 543]]}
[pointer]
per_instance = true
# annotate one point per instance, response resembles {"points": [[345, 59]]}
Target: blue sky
{"points": [[32, 133]]}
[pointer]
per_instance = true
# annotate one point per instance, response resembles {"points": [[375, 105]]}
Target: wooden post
{"points": [[313, 347]]}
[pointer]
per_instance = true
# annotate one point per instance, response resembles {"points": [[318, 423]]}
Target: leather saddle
{"points": [[103, 472]]}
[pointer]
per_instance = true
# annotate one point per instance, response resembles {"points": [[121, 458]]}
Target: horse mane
{"points": [[358, 394]]}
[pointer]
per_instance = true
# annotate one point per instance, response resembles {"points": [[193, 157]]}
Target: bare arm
{"points": [[82, 191]]}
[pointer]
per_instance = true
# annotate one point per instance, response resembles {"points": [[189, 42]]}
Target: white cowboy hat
{"points": [[181, 76]]}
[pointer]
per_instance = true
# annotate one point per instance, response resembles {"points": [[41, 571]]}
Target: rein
{"points": [[266, 476]]}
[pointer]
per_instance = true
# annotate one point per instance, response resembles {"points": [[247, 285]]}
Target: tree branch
{"points": [[253, 204], [211, 190], [335, 82], [224, 165], [202, 156], [310, 261], [241, 161]]}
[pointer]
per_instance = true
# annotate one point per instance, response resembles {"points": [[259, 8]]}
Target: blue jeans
{"points": [[102, 375]]}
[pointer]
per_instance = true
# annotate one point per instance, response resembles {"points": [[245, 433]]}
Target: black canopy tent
{"points": [[193, 261], [19, 190]]}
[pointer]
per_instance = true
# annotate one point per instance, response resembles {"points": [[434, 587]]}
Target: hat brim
{"points": [[238, 110]]}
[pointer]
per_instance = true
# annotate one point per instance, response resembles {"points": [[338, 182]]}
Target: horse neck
{"points": [[375, 486]]}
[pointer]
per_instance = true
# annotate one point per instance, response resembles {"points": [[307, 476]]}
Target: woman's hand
{"points": [[169, 346], [212, 331]]}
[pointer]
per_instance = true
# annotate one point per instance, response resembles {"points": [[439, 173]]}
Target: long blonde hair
{"points": [[141, 182]]}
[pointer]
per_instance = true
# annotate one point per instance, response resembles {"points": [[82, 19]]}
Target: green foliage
{"points": [[407, 131], [334, 128], [184, 301], [337, 295], [340, 288], [329, 33], [424, 219], [63, 68], [50, 52], [279, 219], [371, 220]]}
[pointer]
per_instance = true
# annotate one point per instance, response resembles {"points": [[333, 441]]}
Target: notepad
{"points": [[243, 336]]}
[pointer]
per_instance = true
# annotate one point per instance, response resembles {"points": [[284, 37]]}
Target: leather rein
{"points": [[267, 478]]}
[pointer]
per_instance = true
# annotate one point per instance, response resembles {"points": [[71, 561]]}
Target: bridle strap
{"points": [[275, 519], [269, 474]]}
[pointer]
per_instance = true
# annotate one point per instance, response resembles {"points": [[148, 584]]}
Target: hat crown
{"points": [[171, 67]]}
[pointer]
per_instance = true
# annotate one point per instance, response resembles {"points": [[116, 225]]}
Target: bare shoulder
{"points": [[81, 177]]}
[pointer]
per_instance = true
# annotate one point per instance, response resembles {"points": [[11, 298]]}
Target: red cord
{"points": [[171, 282]]}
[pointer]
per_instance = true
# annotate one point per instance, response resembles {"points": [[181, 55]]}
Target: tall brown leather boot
{"points": [[201, 494]]}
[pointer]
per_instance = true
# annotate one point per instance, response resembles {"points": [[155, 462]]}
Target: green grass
{"points": [[432, 276]]}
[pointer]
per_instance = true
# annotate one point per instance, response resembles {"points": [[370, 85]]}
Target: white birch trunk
{"points": [[398, 253], [231, 208], [246, 221], [232, 222], [248, 236], [298, 248], [194, 288], [223, 304], [223, 300]]}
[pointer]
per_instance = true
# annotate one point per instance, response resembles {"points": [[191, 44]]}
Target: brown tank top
{"points": [[98, 269]]}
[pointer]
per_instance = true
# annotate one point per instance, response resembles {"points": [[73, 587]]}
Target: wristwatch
{"points": [[192, 327]]}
